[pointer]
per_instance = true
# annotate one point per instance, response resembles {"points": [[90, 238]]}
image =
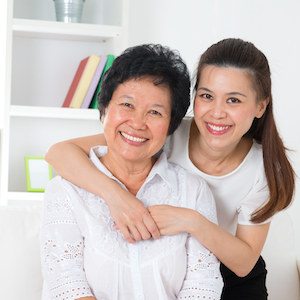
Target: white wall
{"points": [[191, 26]]}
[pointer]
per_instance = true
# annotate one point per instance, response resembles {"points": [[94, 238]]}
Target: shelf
{"points": [[26, 196], [65, 31], [54, 112]]}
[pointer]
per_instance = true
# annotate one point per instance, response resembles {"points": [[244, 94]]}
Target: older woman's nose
{"points": [[138, 121]]}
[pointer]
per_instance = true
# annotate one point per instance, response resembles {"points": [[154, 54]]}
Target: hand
{"points": [[171, 220], [131, 216]]}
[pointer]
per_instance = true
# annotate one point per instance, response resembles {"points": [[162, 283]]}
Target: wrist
{"points": [[190, 221]]}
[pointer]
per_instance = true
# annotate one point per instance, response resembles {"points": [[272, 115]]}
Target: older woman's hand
{"points": [[131, 216], [172, 220]]}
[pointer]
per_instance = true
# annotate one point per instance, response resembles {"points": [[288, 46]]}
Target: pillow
{"points": [[280, 257], [20, 271]]}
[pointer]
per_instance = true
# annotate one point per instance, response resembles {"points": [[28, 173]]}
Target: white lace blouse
{"points": [[83, 255]]}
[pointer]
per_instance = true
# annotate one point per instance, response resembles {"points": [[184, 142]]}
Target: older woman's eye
{"points": [[155, 112], [127, 104]]}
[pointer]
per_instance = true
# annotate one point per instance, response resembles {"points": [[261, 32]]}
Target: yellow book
{"points": [[85, 81]]}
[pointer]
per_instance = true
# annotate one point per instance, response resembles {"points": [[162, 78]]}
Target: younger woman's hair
{"points": [[163, 65], [239, 54]]}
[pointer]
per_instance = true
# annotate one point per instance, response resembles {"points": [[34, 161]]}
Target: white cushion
{"points": [[280, 257], [20, 266]]}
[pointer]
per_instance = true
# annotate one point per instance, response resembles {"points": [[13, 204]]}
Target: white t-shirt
{"points": [[237, 194], [84, 255]]}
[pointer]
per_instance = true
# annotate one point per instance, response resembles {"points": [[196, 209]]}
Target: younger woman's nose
{"points": [[218, 111]]}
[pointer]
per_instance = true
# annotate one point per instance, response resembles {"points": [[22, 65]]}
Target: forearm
{"points": [[239, 254], [87, 298], [70, 160]]}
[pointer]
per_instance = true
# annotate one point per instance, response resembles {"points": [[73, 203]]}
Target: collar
{"points": [[162, 168]]}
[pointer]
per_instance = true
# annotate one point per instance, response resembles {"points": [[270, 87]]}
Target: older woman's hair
{"points": [[165, 66], [242, 55]]}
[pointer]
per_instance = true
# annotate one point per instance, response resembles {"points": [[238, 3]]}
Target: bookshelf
{"points": [[41, 58]]}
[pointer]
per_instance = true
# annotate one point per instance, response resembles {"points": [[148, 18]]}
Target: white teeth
{"points": [[132, 138], [217, 128]]}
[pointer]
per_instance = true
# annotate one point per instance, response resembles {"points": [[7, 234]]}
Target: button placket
{"points": [[135, 271]]}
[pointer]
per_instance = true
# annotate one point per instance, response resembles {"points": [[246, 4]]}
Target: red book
{"points": [[75, 82]]}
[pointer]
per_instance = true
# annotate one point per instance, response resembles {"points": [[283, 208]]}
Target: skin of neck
{"points": [[131, 173], [216, 162]]}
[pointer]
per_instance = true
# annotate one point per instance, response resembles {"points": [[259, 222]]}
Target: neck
{"points": [[131, 173], [216, 162]]}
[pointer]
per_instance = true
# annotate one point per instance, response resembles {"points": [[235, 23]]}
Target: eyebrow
{"points": [[229, 94], [155, 105]]}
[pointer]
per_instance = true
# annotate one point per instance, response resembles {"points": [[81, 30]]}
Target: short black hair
{"points": [[164, 65]]}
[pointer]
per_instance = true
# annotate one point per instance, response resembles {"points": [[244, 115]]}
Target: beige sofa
{"points": [[20, 267]]}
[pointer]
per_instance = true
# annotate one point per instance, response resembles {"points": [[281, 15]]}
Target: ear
{"points": [[262, 105]]}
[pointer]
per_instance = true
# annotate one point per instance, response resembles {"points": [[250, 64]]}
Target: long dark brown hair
{"points": [[236, 53]]}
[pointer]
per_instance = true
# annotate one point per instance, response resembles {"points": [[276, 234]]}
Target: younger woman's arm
{"points": [[70, 160], [238, 253]]}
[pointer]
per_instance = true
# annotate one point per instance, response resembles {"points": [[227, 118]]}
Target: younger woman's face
{"points": [[225, 106]]}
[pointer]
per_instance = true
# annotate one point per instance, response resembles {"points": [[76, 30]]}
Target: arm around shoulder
{"points": [[70, 160]]}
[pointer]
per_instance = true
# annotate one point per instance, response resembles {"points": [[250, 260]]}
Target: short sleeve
{"points": [[258, 196], [62, 247]]}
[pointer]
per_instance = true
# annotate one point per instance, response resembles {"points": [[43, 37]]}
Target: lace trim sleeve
{"points": [[203, 279], [61, 247]]}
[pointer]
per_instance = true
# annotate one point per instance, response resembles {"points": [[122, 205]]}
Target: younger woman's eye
{"points": [[206, 96], [234, 100]]}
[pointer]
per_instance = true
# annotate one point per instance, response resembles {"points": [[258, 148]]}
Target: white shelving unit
{"points": [[41, 59]]}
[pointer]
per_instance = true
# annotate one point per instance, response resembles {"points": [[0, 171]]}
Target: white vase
{"points": [[68, 11]]}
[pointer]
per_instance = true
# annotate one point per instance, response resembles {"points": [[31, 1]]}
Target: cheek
{"points": [[245, 118], [197, 108], [160, 131]]}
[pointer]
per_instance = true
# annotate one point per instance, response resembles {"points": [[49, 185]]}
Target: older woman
{"points": [[144, 96]]}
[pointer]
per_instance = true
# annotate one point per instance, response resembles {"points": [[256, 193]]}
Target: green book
{"points": [[110, 59]]}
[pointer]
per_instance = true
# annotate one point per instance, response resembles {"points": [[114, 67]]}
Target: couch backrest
{"points": [[20, 266]]}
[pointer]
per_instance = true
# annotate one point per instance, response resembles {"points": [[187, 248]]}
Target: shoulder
{"points": [[256, 152], [61, 190], [56, 185], [58, 203], [254, 162], [196, 188]]}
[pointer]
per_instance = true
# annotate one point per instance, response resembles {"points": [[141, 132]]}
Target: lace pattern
{"points": [[78, 224], [66, 287]]}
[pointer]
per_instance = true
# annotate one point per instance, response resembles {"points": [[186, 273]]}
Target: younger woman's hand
{"points": [[171, 220]]}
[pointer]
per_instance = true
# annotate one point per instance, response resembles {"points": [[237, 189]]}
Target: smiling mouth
{"points": [[217, 128], [132, 138]]}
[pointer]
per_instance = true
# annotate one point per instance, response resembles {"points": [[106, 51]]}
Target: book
{"points": [[94, 103], [85, 81], [91, 90], [75, 82]]}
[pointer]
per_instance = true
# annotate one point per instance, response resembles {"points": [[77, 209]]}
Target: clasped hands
{"points": [[136, 222]]}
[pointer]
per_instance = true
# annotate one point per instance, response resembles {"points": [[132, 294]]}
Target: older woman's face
{"points": [[137, 119]]}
